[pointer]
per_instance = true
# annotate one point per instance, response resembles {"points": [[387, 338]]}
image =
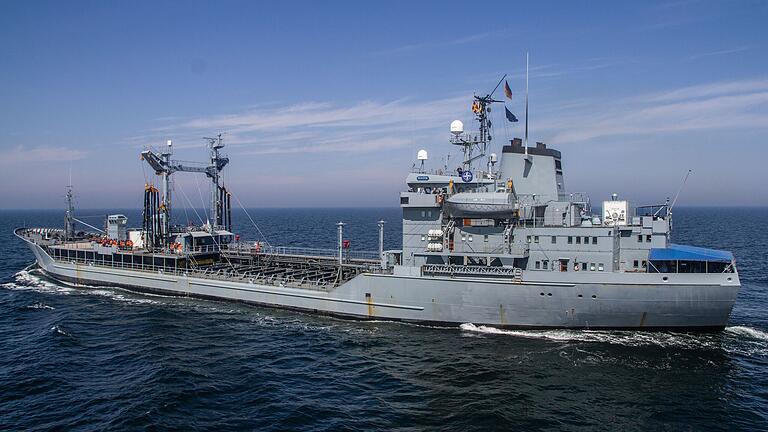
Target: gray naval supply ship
{"points": [[498, 242]]}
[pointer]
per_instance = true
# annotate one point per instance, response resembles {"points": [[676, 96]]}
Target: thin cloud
{"points": [[323, 127], [718, 53], [42, 154], [477, 37], [735, 104]]}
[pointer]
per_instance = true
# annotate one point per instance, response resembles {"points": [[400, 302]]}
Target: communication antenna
{"points": [[526, 104], [685, 179]]}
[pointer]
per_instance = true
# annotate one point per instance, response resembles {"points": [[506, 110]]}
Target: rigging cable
{"points": [[218, 245], [251, 219]]}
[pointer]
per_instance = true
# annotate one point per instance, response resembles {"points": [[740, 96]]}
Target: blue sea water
{"points": [[108, 359]]}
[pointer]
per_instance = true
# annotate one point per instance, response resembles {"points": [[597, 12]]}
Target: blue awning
{"points": [[677, 252]]}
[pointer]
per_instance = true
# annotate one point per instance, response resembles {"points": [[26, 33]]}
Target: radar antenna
{"points": [[481, 106]]}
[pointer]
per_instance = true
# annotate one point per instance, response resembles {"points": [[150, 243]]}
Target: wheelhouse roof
{"points": [[676, 252]]}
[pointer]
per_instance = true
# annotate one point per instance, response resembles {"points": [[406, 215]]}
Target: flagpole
{"points": [[526, 104]]}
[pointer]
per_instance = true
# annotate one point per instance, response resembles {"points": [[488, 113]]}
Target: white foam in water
{"points": [[626, 338], [747, 341], [58, 330], [27, 280], [749, 332], [39, 305]]}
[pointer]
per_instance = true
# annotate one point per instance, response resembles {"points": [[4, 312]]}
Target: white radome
{"points": [[421, 155], [457, 127]]}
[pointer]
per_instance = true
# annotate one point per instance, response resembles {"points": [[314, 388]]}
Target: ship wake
{"points": [[735, 339]]}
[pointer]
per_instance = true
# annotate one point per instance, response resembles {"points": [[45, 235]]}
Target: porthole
{"points": [[665, 278], [729, 279], [549, 294], [541, 294], [594, 296], [580, 296]]}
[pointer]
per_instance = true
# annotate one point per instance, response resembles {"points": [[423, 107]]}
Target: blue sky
{"points": [[326, 103]]}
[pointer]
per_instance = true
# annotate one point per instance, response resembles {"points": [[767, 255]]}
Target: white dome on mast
{"points": [[457, 127]]}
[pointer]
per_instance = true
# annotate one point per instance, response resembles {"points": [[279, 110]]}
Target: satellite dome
{"points": [[457, 127], [421, 155]]}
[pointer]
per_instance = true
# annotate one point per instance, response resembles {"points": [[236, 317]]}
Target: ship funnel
{"points": [[457, 127]]}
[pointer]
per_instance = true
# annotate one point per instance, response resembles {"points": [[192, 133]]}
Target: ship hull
{"points": [[540, 301]]}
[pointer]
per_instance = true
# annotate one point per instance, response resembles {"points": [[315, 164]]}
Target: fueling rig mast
{"points": [[157, 210]]}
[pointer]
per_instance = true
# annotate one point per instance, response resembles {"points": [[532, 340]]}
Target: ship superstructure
{"points": [[499, 241]]}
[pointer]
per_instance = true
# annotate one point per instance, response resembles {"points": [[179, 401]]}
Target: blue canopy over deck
{"points": [[676, 252]]}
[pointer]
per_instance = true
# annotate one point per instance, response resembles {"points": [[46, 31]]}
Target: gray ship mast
{"points": [[481, 106], [525, 144], [69, 216]]}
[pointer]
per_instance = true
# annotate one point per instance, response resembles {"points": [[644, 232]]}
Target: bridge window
{"points": [[659, 266]]}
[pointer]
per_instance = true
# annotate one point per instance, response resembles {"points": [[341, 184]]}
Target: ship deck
{"points": [[279, 266]]}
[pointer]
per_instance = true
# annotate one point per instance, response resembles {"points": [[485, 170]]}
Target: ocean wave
{"points": [[28, 280], [59, 331], [39, 305], [743, 340], [748, 332]]}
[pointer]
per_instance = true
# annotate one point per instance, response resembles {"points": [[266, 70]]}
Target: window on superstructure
{"points": [[640, 238], [592, 266], [586, 240], [584, 266], [535, 239], [554, 240], [645, 264], [578, 240], [636, 263], [570, 240], [528, 239], [594, 240], [648, 238], [545, 264], [538, 265], [485, 238], [600, 267]]}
